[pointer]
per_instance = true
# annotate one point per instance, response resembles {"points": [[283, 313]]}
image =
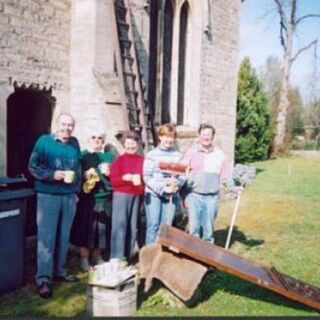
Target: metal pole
{"points": [[233, 219]]}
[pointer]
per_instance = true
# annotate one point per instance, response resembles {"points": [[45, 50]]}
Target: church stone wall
{"points": [[34, 42], [219, 65], [67, 46]]}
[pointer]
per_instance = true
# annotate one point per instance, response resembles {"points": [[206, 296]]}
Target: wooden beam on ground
{"points": [[215, 256]]}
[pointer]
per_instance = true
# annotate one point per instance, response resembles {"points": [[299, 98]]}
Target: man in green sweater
{"points": [[55, 165]]}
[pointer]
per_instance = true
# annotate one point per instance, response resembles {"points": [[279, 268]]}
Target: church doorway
{"points": [[29, 114]]}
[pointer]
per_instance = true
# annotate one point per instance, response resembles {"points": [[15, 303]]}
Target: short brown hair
{"points": [[132, 135], [204, 126], [166, 129]]}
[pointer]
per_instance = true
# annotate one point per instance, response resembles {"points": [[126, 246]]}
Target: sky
{"points": [[259, 38]]}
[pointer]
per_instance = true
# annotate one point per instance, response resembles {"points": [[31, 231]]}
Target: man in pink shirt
{"points": [[208, 170]]}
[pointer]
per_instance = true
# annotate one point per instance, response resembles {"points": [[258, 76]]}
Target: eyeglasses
{"points": [[95, 137]]}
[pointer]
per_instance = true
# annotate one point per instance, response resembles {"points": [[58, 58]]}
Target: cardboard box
{"points": [[107, 302]]}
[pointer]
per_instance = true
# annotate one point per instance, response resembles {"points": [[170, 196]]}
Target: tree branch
{"points": [[293, 12], [313, 43], [283, 18], [283, 23], [311, 15], [283, 43]]}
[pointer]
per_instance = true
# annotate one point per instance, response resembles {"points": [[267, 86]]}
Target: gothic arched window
{"points": [[166, 61], [183, 32]]}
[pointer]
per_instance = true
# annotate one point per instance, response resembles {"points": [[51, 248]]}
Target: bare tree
{"points": [[289, 21]]}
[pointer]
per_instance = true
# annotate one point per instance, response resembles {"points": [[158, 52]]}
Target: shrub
{"points": [[253, 132]]}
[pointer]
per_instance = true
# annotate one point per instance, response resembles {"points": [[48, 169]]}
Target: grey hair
{"points": [[66, 114]]}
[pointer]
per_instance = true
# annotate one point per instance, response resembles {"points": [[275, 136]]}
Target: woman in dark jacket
{"points": [[92, 225]]}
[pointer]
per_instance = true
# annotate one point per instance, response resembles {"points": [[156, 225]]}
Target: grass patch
{"points": [[277, 225]]}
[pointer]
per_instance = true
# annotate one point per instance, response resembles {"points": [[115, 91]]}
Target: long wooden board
{"points": [[212, 255]]}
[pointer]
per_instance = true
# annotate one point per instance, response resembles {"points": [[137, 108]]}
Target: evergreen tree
{"points": [[253, 134]]}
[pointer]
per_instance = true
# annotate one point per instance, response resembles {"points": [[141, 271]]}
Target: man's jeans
{"points": [[202, 211], [158, 211], [125, 209], [55, 215]]}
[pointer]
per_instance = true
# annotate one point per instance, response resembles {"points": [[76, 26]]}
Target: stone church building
{"points": [[119, 64]]}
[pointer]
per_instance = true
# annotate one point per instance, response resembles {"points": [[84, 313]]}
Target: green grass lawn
{"points": [[277, 225]]}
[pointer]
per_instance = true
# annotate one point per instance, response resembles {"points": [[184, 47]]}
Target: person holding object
{"points": [[55, 165], [128, 189], [208, 170], [161, 194], [91, 230]]}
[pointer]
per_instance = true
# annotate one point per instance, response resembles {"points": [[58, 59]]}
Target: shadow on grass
{"points": [[220, 281], [259, 170], [67, 300], [215, 281], [237, 235]]}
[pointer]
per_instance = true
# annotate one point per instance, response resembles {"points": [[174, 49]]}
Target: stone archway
{"points": [[29, 114]]}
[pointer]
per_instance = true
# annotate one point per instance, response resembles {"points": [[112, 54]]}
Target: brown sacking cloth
{"points": [[181, 275]]}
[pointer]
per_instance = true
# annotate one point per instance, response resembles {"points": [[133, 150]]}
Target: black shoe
{"points": [[44, 290], [68, 278]]}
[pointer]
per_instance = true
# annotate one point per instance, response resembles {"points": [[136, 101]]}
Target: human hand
{"points": [[105, 168], [136, 179], [127, 177], [171, 185], [238, 190], [185, 203], [188, 171], [107, 172], [58, 175], [88, 173]]}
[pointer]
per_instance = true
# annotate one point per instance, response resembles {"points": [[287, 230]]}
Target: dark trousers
{"points": [[125, 209]]}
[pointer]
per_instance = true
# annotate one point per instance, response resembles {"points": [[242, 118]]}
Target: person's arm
{"points": [[116, 174], [149, 165], [102, 175], [79, 168], [226, 178], [181, 179], [186, 160], [38, 166]]}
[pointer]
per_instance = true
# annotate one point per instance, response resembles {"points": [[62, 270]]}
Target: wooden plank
{"points": [[212, 255]]}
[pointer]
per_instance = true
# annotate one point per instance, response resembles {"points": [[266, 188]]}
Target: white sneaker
{"points": [[84, 264]]}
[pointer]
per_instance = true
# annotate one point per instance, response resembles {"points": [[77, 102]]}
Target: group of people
{"points": [[93, 198]]}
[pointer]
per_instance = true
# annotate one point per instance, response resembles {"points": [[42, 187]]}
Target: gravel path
{"points": [[307, 153]]}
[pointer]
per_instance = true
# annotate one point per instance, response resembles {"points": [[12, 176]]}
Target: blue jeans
{"points": [[158, 211], [55, 215], [202, 211], [125, 209]]}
